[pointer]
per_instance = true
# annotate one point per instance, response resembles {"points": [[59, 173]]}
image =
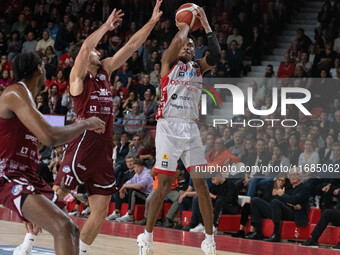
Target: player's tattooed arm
{"points": [[111, 64]]}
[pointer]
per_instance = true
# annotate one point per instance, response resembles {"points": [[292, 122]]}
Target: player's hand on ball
{"points": [[114, 20], [182, 26], [96, 124], [202, 16], [156, 14]]}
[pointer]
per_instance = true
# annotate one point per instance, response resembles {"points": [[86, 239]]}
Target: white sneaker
{"points": [[208, 247], [113, 216], [198, 229], [145, 248], [126, 218], [86, 212], [74, 213], [214, 230], [19, 251]]}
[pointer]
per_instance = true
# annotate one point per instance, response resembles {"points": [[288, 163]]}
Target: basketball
{"points": [[187, 14]]}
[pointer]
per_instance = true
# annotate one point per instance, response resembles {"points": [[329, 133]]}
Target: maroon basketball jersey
{"points": [[18, 150], [96, 100]]}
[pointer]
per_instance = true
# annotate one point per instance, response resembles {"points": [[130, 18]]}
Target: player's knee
{"points": [[99, 213], [66, 227]]}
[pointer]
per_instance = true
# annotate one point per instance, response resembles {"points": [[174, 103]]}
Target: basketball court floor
{"points": [[120, 239]]}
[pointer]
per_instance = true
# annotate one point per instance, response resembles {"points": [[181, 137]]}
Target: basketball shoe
{"points": [[208, 247], [20, 251], [145, 248]]}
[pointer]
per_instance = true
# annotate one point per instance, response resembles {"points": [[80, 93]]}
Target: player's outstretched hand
{"points": [[115, 18], [95, 124], [156, 14], [181, 26]]}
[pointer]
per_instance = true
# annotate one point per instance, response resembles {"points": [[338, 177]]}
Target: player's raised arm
{"points": [[111, 64], [171, 54], [214, 56], [79, 69], [17, 100]]}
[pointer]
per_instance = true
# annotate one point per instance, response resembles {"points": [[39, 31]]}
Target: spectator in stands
{"points": [[305, 64], [200, 48], [288, 205], [269, 81], [42, 105], [134, 121], [125, 76], [324, 124], [136, 65], [118, 118], [268, 194], [127, 173], [151, 62], [173, 196], [52, 57], [325, 152], [286, 68], [5, 81], [258, 93], [295, 52], [64, 38], [132, 98], [220, 155], [309, 156], [326, 57], [256, 160], [137, 189], [20, 25], [294, 149], [235, 36], [254, 47], [60, 82], [209, 144], [248, 149], [186, 202], [119, 155], [237, 148], [30, 44], [235, 60], [66, 101], [148, 152], [148, 107], [146, 86], [52, 29], [303, 41], [84, 30], [14, 45], [135, 146], [44, 43], [155, 76], [54, 100]]}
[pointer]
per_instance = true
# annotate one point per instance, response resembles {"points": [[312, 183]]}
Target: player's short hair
{"points": [[192, 38], [24, 65], [139, 162], [74, 50]]}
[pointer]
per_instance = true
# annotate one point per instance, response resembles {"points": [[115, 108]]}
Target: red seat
{"points": [[229, 223], [329, 236], [314, 216], [138, 212], [167, 206]]}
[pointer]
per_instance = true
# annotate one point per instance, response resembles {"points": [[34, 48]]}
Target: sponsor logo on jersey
{"points": [[66, 169], [32, 138], [164, 163], [181, 74], [174, 96], [103, 92], [165, 156], [101, 77], [81, 167], [16, 190]]}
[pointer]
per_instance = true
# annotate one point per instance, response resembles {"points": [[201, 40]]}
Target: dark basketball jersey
{"points": [[96, 100], [18, 150]]}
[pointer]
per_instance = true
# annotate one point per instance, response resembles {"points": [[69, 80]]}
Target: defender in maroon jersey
{"points": [[88, 158], [21, 127]]}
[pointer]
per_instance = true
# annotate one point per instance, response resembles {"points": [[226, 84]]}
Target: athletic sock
{"points": [[83, 247], [148, 236], [210, 238], [28, 242]]}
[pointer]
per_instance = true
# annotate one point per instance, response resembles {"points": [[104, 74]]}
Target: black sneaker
{"points": [[187, 228], [168, 223], [239, 233], [311, 243], [336, 247]]}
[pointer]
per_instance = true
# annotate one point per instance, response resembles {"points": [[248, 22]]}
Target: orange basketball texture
{"points": [[187, 14]]}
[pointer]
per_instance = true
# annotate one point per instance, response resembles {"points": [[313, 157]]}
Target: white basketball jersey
{"points": [[181, 92]]}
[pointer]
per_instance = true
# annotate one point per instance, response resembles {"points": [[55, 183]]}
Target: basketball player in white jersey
{"points": [[177, 134]]}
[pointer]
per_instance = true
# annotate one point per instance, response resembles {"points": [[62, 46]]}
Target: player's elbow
{"points": [[49, 138]]}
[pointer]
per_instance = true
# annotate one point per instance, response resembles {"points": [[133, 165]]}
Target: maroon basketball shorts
{"points": [[13, 188], [88, 161]]}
